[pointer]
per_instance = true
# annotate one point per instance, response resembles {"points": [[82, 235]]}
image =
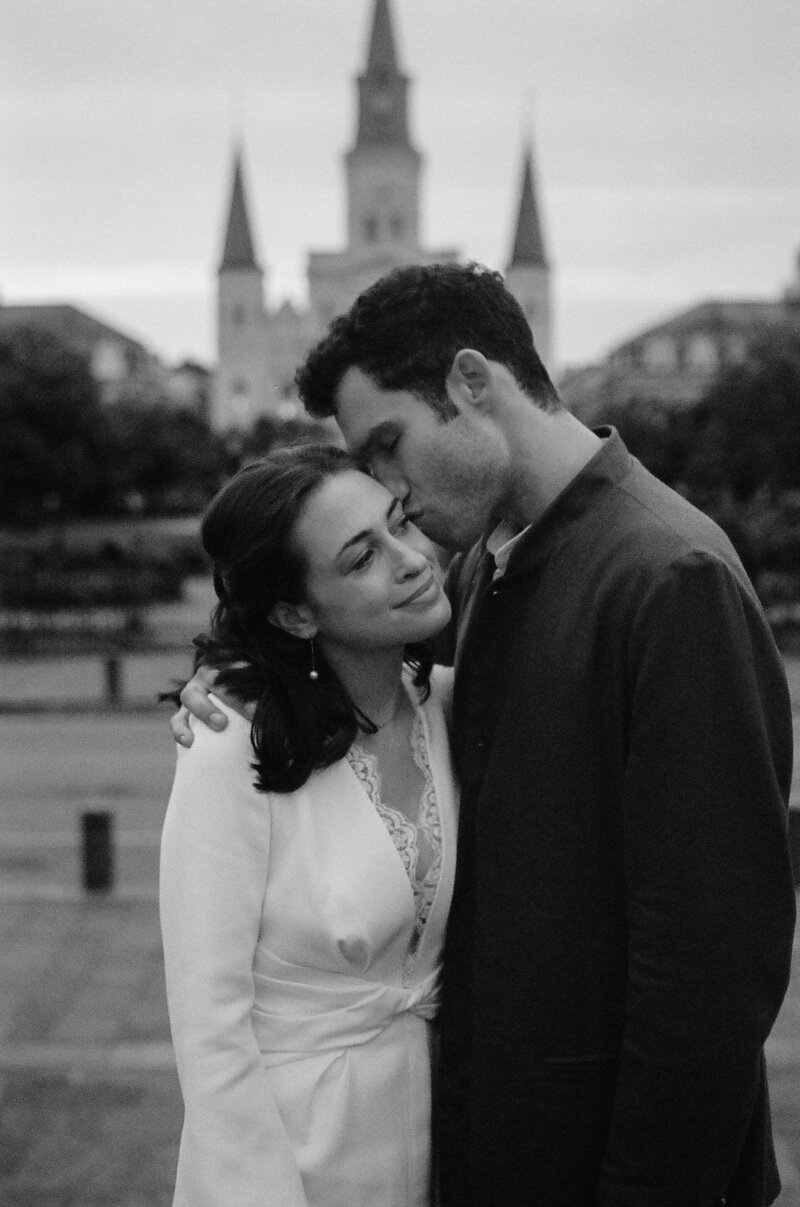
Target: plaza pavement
{"points": [[89, 1104]]}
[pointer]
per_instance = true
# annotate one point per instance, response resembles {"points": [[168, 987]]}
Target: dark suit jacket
{"points": [[620, 937]]}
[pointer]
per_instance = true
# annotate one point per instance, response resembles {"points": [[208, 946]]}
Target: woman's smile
{"points": [[423, 596]]}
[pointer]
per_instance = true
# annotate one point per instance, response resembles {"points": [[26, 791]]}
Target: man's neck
{"points": [[550, 450]]}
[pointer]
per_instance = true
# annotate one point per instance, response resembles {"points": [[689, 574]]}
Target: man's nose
{"points": [[392, 478]]}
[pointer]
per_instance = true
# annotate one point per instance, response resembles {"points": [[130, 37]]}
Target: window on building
{"points": [[240, 402], [701, 353], [289, 408], [737, 349], [108, 361], [660, 354]]}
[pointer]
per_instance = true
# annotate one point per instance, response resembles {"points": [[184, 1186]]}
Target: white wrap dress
{"points": [[302, 973]]}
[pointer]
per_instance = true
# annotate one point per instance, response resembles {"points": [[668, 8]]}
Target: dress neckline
{"points": [[404, 833]]}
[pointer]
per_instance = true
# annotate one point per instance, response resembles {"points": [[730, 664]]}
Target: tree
{"points": [[658, 433], [167, 459], [747, 428], [52, 423], [269, 432], [64, 453]]}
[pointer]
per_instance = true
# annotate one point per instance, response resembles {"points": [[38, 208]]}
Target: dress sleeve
{"points": [[709, 890], [214, 866]]}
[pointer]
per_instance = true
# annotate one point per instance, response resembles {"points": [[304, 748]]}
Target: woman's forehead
{"points": [[344, 507]]}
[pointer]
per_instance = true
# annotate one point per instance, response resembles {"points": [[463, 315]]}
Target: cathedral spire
{"points": [[238, 251], [382, 54], [528, 271], [528, 248], [382, 108]]}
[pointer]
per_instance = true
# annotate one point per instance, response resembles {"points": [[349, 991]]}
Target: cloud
{"points": [[60, 282]]}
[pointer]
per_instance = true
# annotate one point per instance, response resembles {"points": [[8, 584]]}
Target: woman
{"points": [[307, 855]]}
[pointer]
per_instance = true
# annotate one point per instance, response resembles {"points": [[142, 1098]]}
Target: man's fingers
{"points": [[181, 730], [195, 700]]}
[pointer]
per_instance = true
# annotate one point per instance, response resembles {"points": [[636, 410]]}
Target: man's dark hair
{"points": [[405, 330]]}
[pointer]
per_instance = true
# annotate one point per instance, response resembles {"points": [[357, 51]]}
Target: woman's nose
{"points": [[410, 561]]}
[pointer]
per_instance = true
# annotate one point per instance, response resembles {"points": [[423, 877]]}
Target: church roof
{"points": [[528, 246], [382, 109], [748, 317], [382, 54], [67, 322], [238, 251]]}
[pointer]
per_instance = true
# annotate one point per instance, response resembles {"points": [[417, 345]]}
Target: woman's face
{"points": [[373, 581]]}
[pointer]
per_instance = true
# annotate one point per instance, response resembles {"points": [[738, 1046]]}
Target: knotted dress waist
{"points": [[316, 1010]]}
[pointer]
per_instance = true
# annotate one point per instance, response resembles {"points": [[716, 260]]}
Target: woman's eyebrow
{"points": [[365, 532]]}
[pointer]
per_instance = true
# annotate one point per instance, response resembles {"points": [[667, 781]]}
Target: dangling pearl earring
{"points": [[313, 674]]}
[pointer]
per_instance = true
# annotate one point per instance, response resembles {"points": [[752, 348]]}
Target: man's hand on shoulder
{"points": [[196, 702]]}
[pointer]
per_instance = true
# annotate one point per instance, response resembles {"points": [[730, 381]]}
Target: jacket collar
{"points": [[610, 464]]}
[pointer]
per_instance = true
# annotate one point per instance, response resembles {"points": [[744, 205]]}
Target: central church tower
{"points": [[383, 168], [383, 171]]}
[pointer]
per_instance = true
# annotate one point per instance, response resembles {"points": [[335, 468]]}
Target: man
{"points": [[620, 937]]}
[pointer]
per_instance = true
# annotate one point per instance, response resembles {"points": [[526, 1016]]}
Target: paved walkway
{"points": [[89, 1104], [90, 1108]]}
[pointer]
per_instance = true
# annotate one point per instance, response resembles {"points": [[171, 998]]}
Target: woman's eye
{"points": [[363, 560]]}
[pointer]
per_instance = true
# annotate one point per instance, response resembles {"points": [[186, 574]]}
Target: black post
{"points": [[113, 667], [98, 851]]}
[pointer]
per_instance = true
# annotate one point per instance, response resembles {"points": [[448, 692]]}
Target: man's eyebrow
{"points": [[378, 433], [366, 532]]}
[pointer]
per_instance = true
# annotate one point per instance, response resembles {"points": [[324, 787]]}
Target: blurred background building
{"points": [[676, 362], [259, 345], [118, 363], [260, 340]]}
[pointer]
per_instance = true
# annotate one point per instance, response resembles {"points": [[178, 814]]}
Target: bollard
{"points": [[98, 852], [113, 668]]}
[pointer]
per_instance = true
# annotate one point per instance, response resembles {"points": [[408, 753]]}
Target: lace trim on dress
{"points": [[429, 822], [406, 834]]}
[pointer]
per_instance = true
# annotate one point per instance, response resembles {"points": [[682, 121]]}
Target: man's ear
{"points": [[470, 378], [296, 619]]}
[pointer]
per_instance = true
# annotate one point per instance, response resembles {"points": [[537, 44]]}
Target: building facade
{"points": [[675, 362], [259, 348], [124, 369]]}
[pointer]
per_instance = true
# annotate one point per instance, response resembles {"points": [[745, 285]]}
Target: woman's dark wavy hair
{"points": [[299, 725]]}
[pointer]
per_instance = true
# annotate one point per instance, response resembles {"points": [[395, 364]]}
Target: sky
{"points": [[666, 139]]}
